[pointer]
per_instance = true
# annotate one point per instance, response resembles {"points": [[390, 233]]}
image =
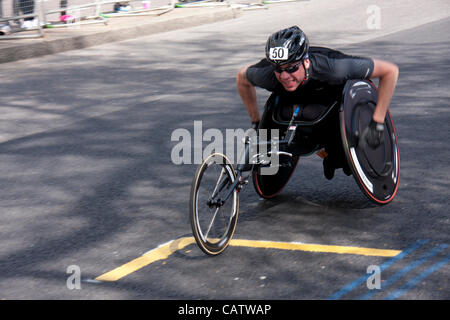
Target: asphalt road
{"points": [[88, 179]]}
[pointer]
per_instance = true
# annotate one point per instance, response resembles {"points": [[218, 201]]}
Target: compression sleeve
{"points": [[335, 67], [354, 68], [261, 75]]}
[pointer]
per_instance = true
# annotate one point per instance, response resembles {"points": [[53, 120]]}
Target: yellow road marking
{"points": [[164, 251], [160, 253], [314, 248]]}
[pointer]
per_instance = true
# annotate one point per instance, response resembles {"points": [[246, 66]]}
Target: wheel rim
{"points": [[214, 225]]}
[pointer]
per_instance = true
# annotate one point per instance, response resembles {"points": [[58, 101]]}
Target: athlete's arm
{"points": [[248, 94], [387, 73]]}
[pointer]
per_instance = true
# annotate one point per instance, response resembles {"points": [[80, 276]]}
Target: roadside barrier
{"points": [[218, 3], [280, 1], [22, 19], [27, 18], [34, 15], [202, 3], [99, 12], [145, 8], [74, 15], [261, 4]]}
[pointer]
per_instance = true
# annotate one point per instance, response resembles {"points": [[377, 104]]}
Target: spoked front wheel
{"points": [[214, 205]]}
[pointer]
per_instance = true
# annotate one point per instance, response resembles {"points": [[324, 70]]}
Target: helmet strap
{"points": [[306, 73]]}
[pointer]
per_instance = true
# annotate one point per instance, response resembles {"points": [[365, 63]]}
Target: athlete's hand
{"points": [[255, 125], [374, 134]]}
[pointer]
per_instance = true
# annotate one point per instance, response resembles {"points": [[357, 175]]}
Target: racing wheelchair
{"points": [[214, 197]]}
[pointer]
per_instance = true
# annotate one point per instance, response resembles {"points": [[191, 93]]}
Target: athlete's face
{"points": [[291, 80]]}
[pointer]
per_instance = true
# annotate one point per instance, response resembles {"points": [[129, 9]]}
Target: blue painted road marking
{"points": [[346, 289], [399, 292], [405, 270]]}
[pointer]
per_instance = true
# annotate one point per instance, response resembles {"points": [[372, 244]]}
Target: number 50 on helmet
{"points": [[287, 46]]}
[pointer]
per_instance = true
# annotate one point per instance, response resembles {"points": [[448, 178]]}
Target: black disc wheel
{"points": [[376, 171]]}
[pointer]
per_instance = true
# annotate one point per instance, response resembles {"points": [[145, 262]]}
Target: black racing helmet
{"points": [[286, 46]]}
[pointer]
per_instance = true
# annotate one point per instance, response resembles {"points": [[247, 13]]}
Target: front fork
{"points": [[246, 163]]}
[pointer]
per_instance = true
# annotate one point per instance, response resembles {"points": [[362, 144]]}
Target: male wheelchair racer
{"points": [[334, 119]]}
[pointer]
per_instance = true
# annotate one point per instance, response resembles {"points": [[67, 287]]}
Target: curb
{"points": [[46, 47]]}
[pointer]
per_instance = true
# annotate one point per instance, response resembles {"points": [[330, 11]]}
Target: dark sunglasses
{"points": [[290, 69]]}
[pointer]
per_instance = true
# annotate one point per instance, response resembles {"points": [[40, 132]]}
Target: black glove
{"points": [[373, 134], [255, 125]]}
